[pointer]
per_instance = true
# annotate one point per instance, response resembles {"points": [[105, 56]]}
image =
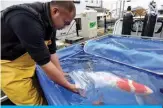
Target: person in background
{"points": [[150, 20], [127, 22], [28, 37]]}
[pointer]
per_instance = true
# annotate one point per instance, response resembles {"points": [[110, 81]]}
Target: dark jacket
{"points": [[24, 29], [127, 23]]}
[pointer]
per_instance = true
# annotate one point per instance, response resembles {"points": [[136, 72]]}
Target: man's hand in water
{"points": [[74, 89]]}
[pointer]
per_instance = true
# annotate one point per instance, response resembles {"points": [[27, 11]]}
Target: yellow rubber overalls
{"points": [[19, 83]]}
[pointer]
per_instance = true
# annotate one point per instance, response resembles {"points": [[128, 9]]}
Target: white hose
{"points": [[4, 98]]}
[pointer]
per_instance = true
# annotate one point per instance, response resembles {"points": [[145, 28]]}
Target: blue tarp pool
{"points": [[136, 59]]}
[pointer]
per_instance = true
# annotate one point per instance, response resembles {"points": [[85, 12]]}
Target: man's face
{"points": [[61, 17]]}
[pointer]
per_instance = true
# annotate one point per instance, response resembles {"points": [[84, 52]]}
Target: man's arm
{"points": [[52, 49], [31, 35], [58, 76], [55, 61]]}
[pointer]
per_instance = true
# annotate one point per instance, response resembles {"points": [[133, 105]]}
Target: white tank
{"points": [[89, 23]]}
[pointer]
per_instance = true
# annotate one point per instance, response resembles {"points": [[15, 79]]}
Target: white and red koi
{"points": [[102, 79], [122, 83]]}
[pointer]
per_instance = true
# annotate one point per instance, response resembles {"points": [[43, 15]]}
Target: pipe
{"points": [[120, 9], [123, 8]]}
